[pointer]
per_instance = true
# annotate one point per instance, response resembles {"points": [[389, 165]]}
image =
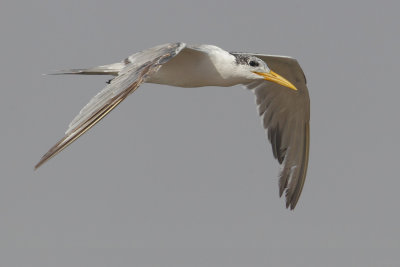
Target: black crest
{"points": [[241, 59]]}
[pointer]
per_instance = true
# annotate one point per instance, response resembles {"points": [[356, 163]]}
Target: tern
{"points": [[278, 83]]}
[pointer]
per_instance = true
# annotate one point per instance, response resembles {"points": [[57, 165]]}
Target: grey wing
{"points": [[286, 115], [137, 68]]}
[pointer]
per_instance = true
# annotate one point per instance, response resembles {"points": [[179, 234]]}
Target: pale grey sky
{"points": [[185, 177]]}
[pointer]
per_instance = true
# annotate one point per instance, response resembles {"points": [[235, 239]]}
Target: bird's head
{"points": [[254, 68]]}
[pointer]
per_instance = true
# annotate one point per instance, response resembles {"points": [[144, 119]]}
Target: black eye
{"points": [[253, 63]]}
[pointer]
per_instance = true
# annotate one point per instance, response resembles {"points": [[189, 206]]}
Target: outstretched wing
{"points": [[286, 115], [137, 68]]}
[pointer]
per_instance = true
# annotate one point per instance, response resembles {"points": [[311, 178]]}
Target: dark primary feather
{"points": [[286, 114]]}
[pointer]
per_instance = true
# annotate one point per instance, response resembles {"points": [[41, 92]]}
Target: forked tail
{"points": [[111, 69]]}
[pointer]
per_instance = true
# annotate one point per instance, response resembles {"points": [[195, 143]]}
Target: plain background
{"points": [[185, 177]]}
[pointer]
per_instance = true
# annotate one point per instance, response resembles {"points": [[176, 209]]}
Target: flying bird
{"points": [[278, 83]]}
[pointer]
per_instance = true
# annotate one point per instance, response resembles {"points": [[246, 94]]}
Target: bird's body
{"points": [[212, 68], [283, 103]]}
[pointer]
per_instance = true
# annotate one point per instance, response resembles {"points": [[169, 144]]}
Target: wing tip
{"points": [[51, 153], [291, 201], [37, 165], [291, 204], [292, 196], [41, 162]]}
